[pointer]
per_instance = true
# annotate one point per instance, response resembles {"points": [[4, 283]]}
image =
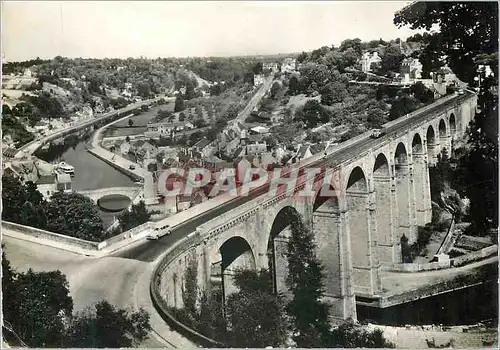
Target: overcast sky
{"points": [[164, 29]]}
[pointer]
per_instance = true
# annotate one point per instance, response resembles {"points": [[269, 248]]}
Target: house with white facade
{"points": [[258, 79], [288, 65], [303, 152], [272, 66], [167, 129], [410, 69], [125, 148], [369, 60]]}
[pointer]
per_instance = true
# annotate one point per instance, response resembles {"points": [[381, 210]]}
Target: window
{"points": [[48, 193]]}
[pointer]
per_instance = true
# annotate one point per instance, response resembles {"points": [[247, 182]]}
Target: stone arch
{"points": [[403, 191], [442, 128], [236, 253], [453, 124], [431, 143], [383, 208], [443, 134], [359, 230], [357, 180], [420, 180], [417, 145], [279, 234]]}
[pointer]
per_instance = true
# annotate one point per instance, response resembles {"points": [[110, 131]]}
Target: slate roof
{"points": [[204, 142], [46, 179], [139, 143], [255, 138], [9, 152]]}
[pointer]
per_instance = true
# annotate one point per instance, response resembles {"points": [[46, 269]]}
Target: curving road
{"points": [[150, 250]]}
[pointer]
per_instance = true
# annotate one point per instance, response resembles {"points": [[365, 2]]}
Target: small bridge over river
{"points": [[135, 193]]}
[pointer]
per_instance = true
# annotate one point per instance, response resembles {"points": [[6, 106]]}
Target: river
{"points": [[90, 172]]}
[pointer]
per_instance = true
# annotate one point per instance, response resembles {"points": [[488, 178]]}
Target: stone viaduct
{"points": [[379, 192]]}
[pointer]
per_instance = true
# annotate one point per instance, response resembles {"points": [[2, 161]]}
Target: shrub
{"points": [[352, 335]]}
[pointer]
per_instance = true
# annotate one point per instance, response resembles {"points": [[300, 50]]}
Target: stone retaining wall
{"points": [[164, 293], [78, 243], [475, 256], [55, 237], [458, 261], [116, 166], [126, 235]]}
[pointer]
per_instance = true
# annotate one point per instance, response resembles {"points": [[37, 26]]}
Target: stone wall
{"points": [[54, 237], [166, 285], [415, 337], [458, 261], [76, 243], [475, 256], [146, 227]]}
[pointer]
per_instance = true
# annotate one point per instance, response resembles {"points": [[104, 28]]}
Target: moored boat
{"points": [[66, 168]]}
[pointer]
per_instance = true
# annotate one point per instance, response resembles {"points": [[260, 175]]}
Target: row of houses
{"points": [[167, 129], [45, 176], [239, 166]]}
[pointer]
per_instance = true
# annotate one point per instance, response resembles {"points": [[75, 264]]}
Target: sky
{"points": [[166, 28]]}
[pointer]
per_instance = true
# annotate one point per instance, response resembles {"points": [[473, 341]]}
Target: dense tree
{"points": [[105, 326], [179, 104], [313, 77], [375, 117], [309, 315], [421, 93], [466, 30], [255, 313], [340, 60], [475, 179], [8, 292], [38, 305], [13, 197], [275, 88], [257, 68], [312, 114], [190, 92], [45, 105], [402, 106], [74, 215], [391, 60], [440, 176], [302, 57], [354, 44], [333, 93], [135, 216], [294, 86], [143, 90]]}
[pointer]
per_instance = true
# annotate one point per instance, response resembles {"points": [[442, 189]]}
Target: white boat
{"points": [[66, 168]]}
